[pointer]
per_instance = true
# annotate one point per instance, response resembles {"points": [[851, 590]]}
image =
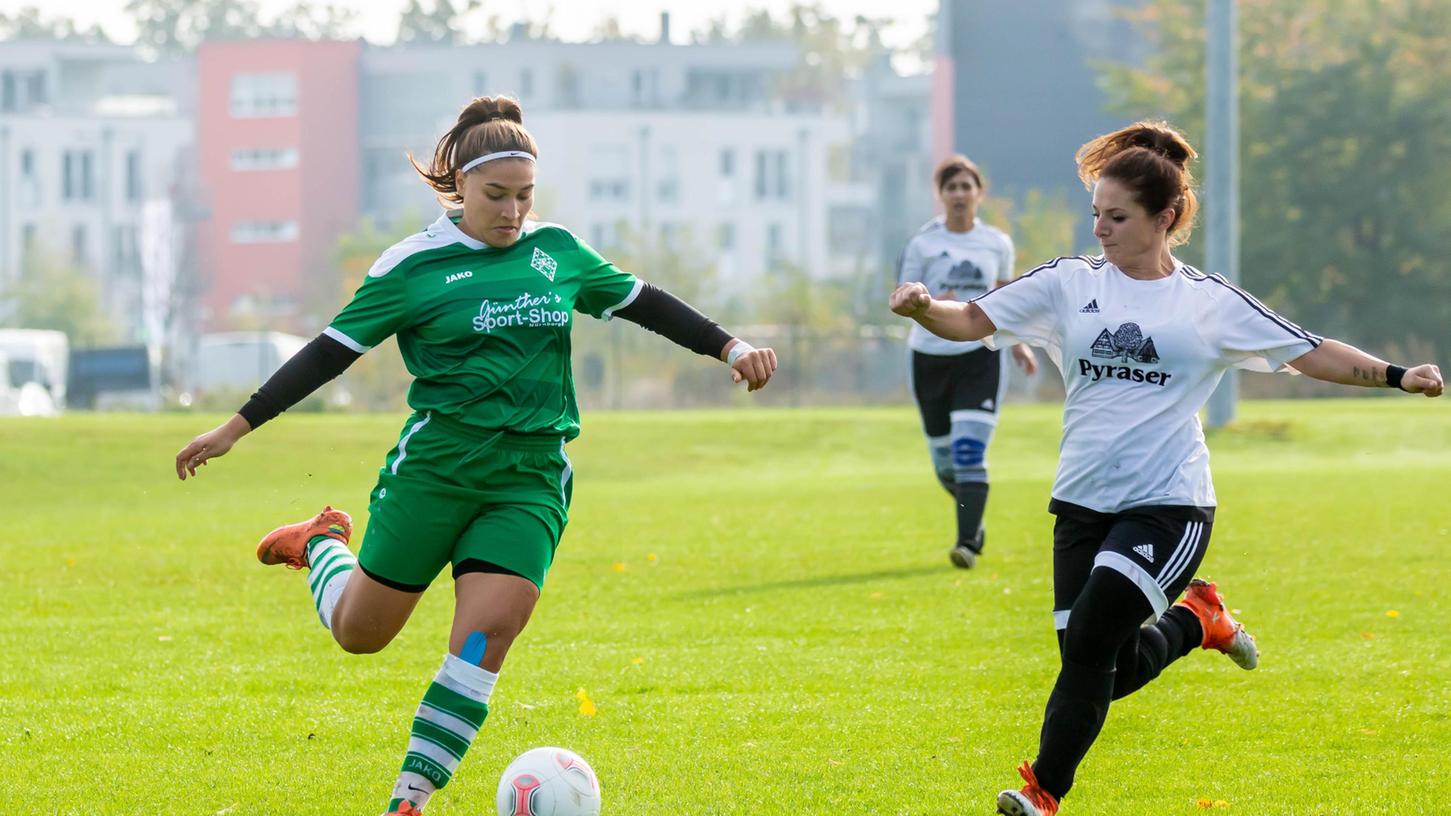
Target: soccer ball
{"points": [[549, 782]]}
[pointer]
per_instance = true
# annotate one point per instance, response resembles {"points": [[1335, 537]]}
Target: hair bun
{"points": [[491, 109], [1162, 141]]}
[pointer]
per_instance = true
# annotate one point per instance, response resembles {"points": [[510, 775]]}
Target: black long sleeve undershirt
{"points": [[309, 369], [675, 320]]}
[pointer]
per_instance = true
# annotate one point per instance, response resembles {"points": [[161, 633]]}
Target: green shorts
{"points": [[485, 502]]}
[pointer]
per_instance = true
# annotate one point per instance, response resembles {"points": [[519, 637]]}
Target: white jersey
{"points": [[1139, 359], [954, 266]]}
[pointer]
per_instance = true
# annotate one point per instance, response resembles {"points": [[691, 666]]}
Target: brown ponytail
{"points": [[1152, 160], [489, 124]]}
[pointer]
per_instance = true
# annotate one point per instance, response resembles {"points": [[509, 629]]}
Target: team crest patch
{"points": [[544, 264]]}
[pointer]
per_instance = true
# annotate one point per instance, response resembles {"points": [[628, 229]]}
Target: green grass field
{"points": [[758, 602]]}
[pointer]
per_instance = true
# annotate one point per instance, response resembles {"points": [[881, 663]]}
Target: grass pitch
{"points": [[759, 606]]}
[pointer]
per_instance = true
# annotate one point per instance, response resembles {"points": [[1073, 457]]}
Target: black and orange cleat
{"points": [[288, 544], [1032, 800]]}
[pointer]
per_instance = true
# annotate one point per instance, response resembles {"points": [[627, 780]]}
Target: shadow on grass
{"points": [[812, 583]]}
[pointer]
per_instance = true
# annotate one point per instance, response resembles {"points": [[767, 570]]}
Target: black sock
{"points": [[1071, 722], [1175, 634], [971, 503]]}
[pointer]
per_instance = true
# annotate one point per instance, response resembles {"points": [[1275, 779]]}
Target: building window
{"points": [[726, 236], [27, 163], [78, 243], [270, 94], [526, 83], [773, 175], [667, 189], [133, 176], [775, 241], [264, 158], [78, 178], [264, 232], [727, 163], [604, 237], [27, 240], [611, 165]]}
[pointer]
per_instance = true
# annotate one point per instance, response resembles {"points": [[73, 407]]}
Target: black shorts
{"points": [[1158, 548], [946, 383]]}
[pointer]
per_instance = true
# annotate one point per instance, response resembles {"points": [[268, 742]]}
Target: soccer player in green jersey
{"points": [[482, 302]]}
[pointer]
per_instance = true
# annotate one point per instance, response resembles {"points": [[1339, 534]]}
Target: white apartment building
{"points": [[93, 141], [684, 143]]}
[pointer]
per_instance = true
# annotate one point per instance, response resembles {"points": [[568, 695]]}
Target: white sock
{"points": [[447, 720], [332, 564]]}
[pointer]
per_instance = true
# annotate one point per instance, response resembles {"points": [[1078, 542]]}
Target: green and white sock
{"points": [[452, 711], [332, 564]]}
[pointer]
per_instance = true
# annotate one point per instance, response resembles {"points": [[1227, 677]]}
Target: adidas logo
{"points": [[1147, 551], [1091, 308]]}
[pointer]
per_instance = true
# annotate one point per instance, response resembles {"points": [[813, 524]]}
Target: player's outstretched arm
{"points": [[307, 370], [1337, 362], [948, 319], [210, 445], [667, 315]]}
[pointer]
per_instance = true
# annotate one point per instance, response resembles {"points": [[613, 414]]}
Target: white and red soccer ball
{"points": [[549, 782]]}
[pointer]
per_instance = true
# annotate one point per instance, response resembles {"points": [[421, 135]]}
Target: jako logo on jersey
{"points": [[1091, 308], [467, 273], [1147, 551], [543, 263], [1125, 344]]}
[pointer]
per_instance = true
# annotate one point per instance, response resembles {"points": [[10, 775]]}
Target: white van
{"points": [[33, 371]]}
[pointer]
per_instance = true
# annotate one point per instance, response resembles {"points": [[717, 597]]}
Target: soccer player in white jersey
{"points": [[1141, 340], [481, 301], [959, 384]]}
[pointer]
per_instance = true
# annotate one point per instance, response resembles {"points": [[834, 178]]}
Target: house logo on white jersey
{"points": [[544, 264], [1091, 308], [1146, 551], [1127, 343]]}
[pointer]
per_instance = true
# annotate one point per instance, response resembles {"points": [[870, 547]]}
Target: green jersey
{"points": [[485, 331]]}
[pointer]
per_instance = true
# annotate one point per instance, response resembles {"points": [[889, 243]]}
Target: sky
{"points": [[571, 20]]}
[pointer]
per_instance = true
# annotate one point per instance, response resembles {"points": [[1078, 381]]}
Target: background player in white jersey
{"points": [[959, 384], [482, 303], [1142, 340]]}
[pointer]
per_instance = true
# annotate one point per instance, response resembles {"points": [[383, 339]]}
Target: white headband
{"points": [[505, 154]]}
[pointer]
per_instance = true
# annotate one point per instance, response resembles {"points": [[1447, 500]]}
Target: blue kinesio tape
{"points": [[473, 650]]}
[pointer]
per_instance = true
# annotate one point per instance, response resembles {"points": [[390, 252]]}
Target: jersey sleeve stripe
{"points": [[1030, 273], [1312, 339], [630, 298], [345, 340]]}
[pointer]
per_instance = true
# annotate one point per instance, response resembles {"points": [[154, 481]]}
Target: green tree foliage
{"points": [[179, 26], [52, 293], [1345, 125], [28, 24], [439, 22]]}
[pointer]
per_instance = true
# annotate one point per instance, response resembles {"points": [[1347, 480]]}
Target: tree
{"points": [[1344, 120], [52, 293], [435, 23], [179, 26], [27, 24]]}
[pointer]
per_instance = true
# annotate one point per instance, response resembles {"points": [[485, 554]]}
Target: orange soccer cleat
{"points": [[288, 544], [405, 808], [1221, 631], [1032, 800]]}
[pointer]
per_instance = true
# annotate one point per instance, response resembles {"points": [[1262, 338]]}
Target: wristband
{"points": [[1393, 375], [741, 347]]}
